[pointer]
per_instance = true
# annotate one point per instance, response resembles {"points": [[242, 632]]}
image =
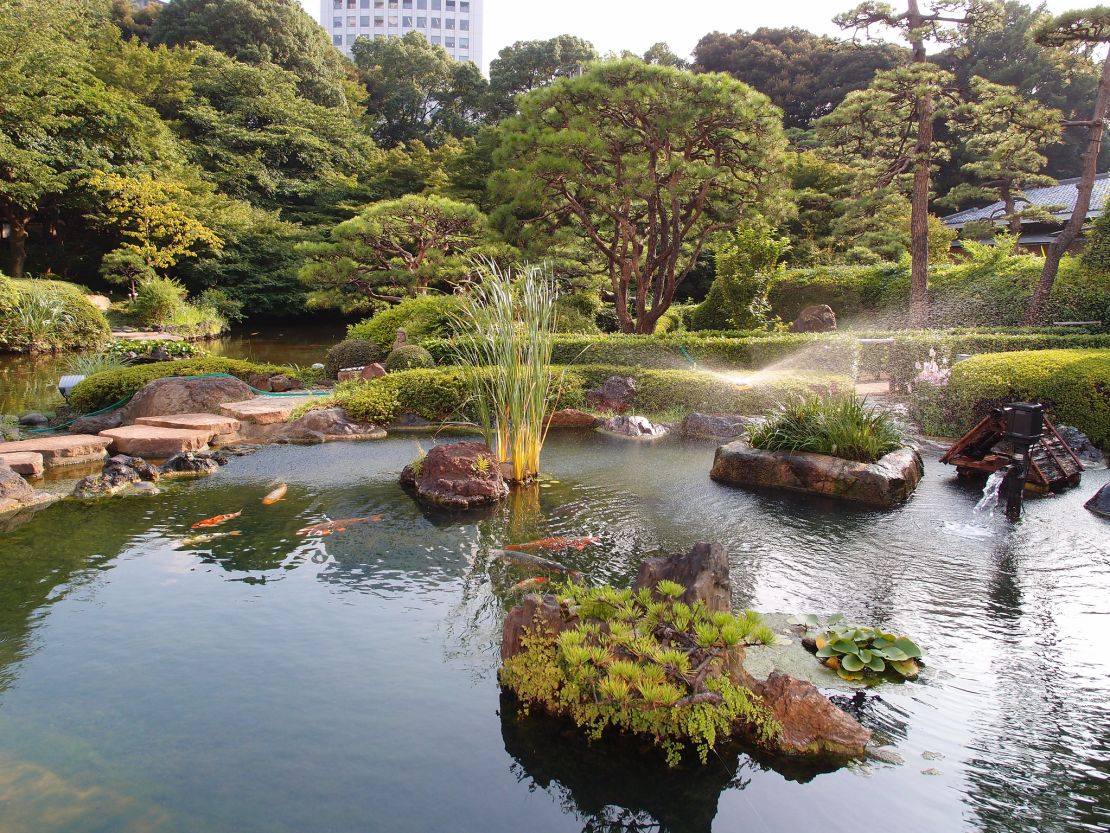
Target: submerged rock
{"points": [[120, 472], [714, 425], [192, 464], [17, 495], [463, 475], [614, 395], [885, 483], [1100, 503], [703, 572], [635, 427]]}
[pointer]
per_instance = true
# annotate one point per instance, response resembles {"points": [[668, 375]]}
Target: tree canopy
{"points": [[649, 162], [526, 65]]}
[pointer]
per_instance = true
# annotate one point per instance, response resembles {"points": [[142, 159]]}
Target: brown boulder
{"points": [[260, 382], [703, 571], [884, 483], [571, 418], [119, 473], [185, 395], [614, 395], [16, 495], [324, 425], [283, 384], [818, 318], [372, 371], [26, 463], [451, 476], [534, 611], [98, 423], [811, 724], [154, 441]]}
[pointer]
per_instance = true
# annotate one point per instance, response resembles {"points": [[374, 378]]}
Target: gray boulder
{"points": [[614, 395], [818, 318], [185, 395], [1100, 503], [33, 419], [704, 572], [635, 427], [119, 473], [16, 495]]}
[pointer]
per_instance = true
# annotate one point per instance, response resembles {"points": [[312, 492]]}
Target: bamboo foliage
{"points": [[511, 322]]}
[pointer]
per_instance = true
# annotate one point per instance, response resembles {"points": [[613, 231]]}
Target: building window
{"points": [[351, 4], [421, 23], [379, 21], [350, 39], [364, 4], [364, 20], [421, 4], [352, 21], [435, 40], [436, 5], [450, 5], [435, 22], [450, 23], [337, 40], [337, 23], [449, 43], [464, 25], [379, 4], [393, 20], [464, 43], [406, 4], [464, 5], [392, 4], [406, 21]]}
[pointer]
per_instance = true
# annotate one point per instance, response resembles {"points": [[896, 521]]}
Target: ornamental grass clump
{"points": [[842, 426], [510, 323], [646, 663]]}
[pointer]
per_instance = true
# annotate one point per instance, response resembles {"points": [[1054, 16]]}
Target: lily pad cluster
{"points": [[857, 652]]}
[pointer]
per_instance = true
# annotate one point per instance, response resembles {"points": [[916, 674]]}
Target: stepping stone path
{"points": [[61, 450], [217, 425], [152, 441], [265, 410], [27, 463]]}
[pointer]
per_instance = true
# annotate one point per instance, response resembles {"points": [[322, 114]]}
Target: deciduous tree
{"points": [[649, 162], [526, 65]]}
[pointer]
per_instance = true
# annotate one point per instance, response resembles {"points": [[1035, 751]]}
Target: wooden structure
{"points": [[984, 450]]}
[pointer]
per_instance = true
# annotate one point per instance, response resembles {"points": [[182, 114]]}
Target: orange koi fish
{"points": [[276, 495], [554, 544], [216, 521], [328, 527], [529, 583]]}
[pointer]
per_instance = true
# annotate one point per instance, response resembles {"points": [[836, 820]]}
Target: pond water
{"points": [[271, 683], [31, 382]]}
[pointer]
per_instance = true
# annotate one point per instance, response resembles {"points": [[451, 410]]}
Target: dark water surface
{"points": [[31, 382], [271, 683]]}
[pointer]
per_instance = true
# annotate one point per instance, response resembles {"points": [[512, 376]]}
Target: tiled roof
{"points": [[1063, 194]]}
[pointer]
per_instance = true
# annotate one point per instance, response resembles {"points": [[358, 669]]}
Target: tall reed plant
{"points": [[510, 320]]}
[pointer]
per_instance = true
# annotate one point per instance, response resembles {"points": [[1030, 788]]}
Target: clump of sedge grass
{"points": [[842, 426]]}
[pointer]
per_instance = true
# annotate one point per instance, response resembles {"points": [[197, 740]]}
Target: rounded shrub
{"points": [[429, 316], [409, 357], [49, 315], [158, 301], [354, 352]]}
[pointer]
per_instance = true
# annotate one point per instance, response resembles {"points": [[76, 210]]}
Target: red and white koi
{"points": [[276, 495], [217, 520]]}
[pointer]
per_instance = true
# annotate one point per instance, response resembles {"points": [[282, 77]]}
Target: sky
{"points": [[612, 25]]}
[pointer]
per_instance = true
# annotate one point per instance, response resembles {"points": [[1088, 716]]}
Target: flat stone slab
{"points": [[265, 410], [27, 463], [884, 483], [194, 422], [125, 335], [63, 449], [152, 441]]}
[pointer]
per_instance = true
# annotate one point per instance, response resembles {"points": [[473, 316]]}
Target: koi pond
{"points": [[268, 682]]}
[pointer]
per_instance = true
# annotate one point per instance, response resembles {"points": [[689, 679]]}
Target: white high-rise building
{"points": [[456, 25]]}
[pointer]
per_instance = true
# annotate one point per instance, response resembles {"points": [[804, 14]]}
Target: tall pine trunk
{"points": [[1072, 229]]}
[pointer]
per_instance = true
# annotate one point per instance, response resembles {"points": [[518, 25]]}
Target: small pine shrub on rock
{"points": [[409, 357], [354, 352]]}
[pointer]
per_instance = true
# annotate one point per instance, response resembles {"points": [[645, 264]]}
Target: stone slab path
{"points": [[27, 463], [124, 335], [62, 450], [265, 410], [152, 441], [217, 425]]}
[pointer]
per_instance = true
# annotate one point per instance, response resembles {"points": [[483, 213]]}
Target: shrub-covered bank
{"points": [[442, 393], [1074, 384], [46, 315]]}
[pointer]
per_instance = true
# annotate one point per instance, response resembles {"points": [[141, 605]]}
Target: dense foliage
{"points": [[351, 352], [841, 426], [48, 315], [647, 663]]}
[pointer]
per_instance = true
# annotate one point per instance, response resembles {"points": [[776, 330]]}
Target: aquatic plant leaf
{"points": [[894, 654], [851, 662], [907, 668], [836, 617], [844, 646], [877, 664], [908, 647], [825, 651], [848, 675]]}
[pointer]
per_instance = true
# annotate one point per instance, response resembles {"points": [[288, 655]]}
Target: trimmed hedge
{"points": [[103, 389], [827, 354], [408, 357], [352, 352], [443, 394], [1073, 384], [421, 318], [990, 288], [84, 327]]}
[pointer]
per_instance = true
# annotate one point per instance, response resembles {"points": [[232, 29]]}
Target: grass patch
{"points": [[841, 426]]}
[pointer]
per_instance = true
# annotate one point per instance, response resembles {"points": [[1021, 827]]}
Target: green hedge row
{"points": [[1073, 384], [443, 394], [824, 353], [990, 288], [103, 389]]}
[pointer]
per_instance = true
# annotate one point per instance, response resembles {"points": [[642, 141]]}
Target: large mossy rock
{"points": [[462, 475], [185, 395], [887, 482], [703, 572]]}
